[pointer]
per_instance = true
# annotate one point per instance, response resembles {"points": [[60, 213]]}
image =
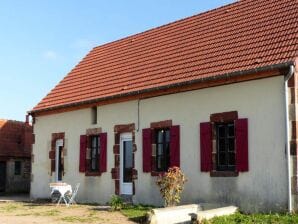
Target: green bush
{"points": [[116, 203]]}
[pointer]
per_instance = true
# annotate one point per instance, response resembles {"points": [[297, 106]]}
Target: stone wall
{"points": [[293, 137], [16, 139], [18, 183]]}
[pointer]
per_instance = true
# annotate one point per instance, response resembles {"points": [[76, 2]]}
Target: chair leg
{"points": [[65, 201], [59, 201]]}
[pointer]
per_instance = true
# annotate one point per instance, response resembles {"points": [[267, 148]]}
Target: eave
{"points": [[218, 80]]}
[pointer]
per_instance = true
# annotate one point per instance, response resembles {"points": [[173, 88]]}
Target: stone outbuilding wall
{"points": [[16, 140]]}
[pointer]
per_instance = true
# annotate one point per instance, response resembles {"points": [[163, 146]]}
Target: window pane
{"points": [[231, 144], [221, 145], [167, 135], [159, 163], [17, 167], [222, 159], [93, 152], [160, 150], [93, 164], [231, 130], [93, 142], [127, 162], [221, 131], [160, 136], [232, 159]]}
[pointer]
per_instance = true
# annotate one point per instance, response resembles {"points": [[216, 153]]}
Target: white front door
{"points": [[126, 163], [58, 160]]}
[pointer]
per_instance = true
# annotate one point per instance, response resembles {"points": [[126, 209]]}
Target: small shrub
{"points": [[116, 203], [171, 185]]}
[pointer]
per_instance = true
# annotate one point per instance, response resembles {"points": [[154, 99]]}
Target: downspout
{"points": [[287, 78], [138, 117]]}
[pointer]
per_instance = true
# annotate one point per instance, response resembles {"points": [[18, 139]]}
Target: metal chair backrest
{"points": [[73, 195]]}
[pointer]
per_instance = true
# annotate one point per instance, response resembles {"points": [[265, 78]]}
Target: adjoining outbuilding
{"points": [[214, 94], [16, 140]]}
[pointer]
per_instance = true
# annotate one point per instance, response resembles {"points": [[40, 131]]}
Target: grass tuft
{"points": [[136, 213]]}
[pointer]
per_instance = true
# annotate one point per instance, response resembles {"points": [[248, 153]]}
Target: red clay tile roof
{"points": [[240, 36]]}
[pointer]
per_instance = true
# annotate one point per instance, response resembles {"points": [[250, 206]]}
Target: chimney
{"points": [[27, 119]]}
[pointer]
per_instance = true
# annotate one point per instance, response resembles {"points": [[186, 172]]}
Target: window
{"points": [[17, 167], [94, 115], [164, 138], [225, 147], [95, 150], [93, 153], [162, 150]]}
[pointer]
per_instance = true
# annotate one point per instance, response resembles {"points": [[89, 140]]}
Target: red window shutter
{"points": [[52, 154], [147, 150], [206, 146], [103, 153], [175, 146], [53, 165], [83, 149], [242, 145]]}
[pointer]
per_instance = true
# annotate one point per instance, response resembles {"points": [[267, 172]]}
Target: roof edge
{"points": [[180, 84]]}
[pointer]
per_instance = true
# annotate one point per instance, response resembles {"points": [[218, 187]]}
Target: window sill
{"points": [[156, 174], [92, 174], [224, 174]]}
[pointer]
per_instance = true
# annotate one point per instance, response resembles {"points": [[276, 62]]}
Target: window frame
{"points": [[222, 118]]}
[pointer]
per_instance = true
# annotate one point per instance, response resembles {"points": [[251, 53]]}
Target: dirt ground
{"points": [[44, 213]]}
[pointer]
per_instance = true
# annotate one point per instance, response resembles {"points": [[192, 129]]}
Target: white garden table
{"points": [[62, 188]]}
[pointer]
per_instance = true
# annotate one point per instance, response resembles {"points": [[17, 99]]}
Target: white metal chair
{"points": [[59, 192], [71, 198]]}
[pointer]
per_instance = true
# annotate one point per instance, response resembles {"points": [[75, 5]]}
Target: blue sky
{"points": [[41, 41]]}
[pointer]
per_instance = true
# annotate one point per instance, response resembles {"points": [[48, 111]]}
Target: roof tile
{"points": [[240, 36]]}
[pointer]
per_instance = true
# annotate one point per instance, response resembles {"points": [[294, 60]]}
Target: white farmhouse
{"points": [[214, 94]]}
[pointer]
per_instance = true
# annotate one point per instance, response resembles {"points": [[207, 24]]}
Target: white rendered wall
{"points": [[264, 187]]}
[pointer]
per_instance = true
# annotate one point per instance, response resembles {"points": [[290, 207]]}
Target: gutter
{"points": [[287, 78], [185, 83]]}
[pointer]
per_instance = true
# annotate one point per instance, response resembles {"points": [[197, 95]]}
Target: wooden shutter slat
{"points": [[103, 153], [206, 146], [147, 150], [175, 146], [83, 149], [241, 144]]}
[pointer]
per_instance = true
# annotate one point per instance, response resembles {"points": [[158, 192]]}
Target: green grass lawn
{"points": [[137, 213], [255, 219]]}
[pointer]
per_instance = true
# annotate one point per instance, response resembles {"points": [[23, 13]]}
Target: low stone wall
{"points": [[184, 214]]}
